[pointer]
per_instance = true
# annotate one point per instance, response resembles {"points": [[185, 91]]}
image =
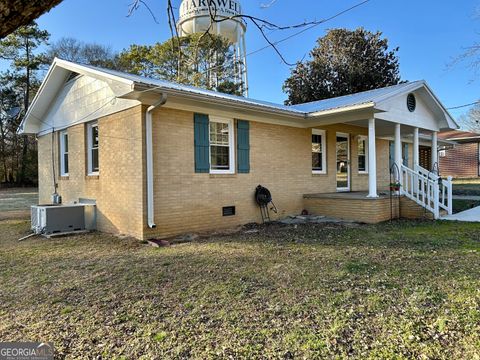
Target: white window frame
{"points": [[90, 171], [231, 145], [363, 138], [323, 135], [63, 152]]}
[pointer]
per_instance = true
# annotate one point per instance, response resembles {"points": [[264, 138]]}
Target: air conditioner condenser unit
{"points": [[55, 219]]}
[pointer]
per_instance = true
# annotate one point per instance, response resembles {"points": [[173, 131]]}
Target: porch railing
{"points": [[427, 189]]}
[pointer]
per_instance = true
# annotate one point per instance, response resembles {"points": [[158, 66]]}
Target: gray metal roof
{"points": [[365, 97], [372, 96], [168, 85]]}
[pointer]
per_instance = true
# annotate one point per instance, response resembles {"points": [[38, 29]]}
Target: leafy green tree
{"points": [[21, 50], [198, 60], [343, 62]]}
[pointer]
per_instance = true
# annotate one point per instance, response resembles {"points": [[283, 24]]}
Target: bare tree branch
{"points": [[136, 4]]}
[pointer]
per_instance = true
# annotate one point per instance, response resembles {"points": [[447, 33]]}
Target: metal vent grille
{"points": [[411, 102], [228, 211]]}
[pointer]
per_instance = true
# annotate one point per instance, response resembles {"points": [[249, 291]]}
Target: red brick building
{"points": [[461, 160]]}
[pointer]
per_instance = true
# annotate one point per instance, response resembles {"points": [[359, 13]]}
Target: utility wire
{"points": [[463, 106], [273, 44]]}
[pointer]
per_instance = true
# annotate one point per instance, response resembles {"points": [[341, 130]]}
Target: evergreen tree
{"points": [[343, 62], [19, 85], [197, 60]]}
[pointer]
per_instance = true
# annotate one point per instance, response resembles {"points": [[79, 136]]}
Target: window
{"points": [[319, 153], [222, 159], [64, 153], [92, 142], [362, 154]]}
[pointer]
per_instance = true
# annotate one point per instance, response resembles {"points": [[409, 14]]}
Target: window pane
{"points": [[362, 163], [317, 161], [65, 163], [94, 160], [317, 140], [317, 158], [219, 146], [361, 147], [220, 157], [94, 136], [219, 133], [65, 143]]}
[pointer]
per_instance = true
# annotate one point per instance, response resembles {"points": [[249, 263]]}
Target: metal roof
{"points": [[456, 135], [130, 84], [365, 97], [168, 85], [361, 98]]}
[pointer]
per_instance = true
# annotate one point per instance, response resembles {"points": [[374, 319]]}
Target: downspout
{"points": [[149, 145]]}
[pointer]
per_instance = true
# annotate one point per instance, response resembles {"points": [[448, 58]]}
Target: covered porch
{"points": [[410, 120]]}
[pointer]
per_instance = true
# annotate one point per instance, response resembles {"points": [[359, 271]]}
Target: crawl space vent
{"points": [[411, 102], [228, 211]]}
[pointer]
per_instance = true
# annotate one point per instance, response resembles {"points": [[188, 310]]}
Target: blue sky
{"points": [[429, 33]]}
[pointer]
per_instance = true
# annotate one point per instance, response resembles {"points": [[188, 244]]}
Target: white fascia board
{"points": [[238, 105], [450, 119], [21, 127], [119, 86], [85, 70], [323, 113], [418, 85], [464, 138]]}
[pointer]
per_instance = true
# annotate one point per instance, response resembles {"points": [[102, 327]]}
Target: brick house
{"points": [[160, 159], [461, 160]]}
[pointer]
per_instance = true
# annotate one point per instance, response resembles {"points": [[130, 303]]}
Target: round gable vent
{"points": [[411, 102]]}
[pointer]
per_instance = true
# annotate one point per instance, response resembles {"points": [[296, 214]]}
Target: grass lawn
{"points": [[15, 203], [462, 205], [466, 187], [403, 290]]}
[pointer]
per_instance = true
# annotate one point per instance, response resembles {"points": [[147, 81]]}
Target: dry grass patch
{"points": [[401, 290]]}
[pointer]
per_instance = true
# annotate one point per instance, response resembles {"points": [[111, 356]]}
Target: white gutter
{"points": [[149, 145]]}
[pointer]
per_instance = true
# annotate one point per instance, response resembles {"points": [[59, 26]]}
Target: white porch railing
{"points": [[427, 189]]}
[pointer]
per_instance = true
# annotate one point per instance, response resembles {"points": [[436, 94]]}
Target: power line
{"points": [[463, 106], [275, 43]]}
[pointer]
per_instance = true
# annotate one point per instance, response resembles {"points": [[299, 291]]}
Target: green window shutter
{"points": [[243, 146], [202, 143]]}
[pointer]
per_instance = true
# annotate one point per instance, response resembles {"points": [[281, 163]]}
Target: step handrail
{"points": [[427, 189]]}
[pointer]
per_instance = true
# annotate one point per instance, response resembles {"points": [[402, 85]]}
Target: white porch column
{"points": [[416, 148], [398, 147], [434, 150], [372, 160]]}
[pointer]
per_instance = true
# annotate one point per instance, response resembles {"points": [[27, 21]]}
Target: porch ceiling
{"points": [[386, 130]]}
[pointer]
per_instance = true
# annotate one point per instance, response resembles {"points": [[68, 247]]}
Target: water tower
{"points": [[195, 18]]}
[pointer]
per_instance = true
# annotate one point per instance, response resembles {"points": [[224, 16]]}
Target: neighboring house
{"points": [[161, 159], [461, 160]]}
